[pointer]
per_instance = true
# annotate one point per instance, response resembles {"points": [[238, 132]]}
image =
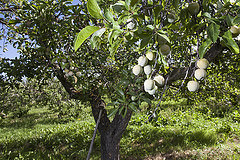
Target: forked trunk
{"points": [[111, 132]]}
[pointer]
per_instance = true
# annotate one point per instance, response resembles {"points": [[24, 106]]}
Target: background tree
{"points": [[122, 31]]}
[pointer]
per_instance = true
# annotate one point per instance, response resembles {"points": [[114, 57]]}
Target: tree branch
{"points": [[179, 73], [75, 94]]}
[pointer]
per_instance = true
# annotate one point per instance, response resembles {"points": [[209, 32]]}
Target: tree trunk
{"points": [[110, 132], [109, 147]]}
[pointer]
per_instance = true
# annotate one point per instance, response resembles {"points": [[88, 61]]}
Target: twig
{"points": [[184, 78], [94, 135]]}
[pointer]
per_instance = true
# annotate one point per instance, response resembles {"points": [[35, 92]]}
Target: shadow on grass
{"points": [[69, 142], [137, 143], [152, 140], [31, 119]]}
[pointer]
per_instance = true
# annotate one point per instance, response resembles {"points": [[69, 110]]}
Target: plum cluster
{"points": [[199, 74], [150, 84]]}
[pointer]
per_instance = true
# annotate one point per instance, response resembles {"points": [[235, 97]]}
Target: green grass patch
{"points": [[177, 131]]}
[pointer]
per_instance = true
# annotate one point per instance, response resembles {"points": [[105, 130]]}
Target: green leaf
{"points": [[133, 107], [127, 4], [229, 42], [164, 62], [108, 15], [229, 20], [83, 35], [145, 99], [133, 2], [120, 110], [119, 6], [115, 103], [184, 15], [96, 36], [120, 92], [236, 19], [144, 42], [207, 15], [116, 25], [157, 11], [203, 48], [113, 112], [94, 9], [164, 37], [150, 27], [175, 4], [213, 31], [115, 46], [125, 112]]}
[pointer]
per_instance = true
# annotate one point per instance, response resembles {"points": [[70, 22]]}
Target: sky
{"points": [[12, 52]]}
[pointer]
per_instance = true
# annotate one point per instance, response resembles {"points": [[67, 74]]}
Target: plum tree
{"points": [[105, 50]]}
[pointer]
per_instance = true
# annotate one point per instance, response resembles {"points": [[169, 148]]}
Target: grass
{"points": [[177, 132]]}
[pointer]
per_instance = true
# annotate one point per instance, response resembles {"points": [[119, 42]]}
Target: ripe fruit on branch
{"points": [[235, 30], [149, 84], [193, 8], [165, 49], [78, 74], [142, 61], [137, 69], [153, 91], [147, 69], [150, 56], [200, 74], [159, 80], [202, 63], [131, 24], [171, 17], [193, 86], [66, 70], [70, 73]]}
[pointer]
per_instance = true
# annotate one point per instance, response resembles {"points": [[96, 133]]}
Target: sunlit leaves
{"points": [[203, 48], [95, 38], [229, 42], [134, 2], [229, 20], [213, 31], [83, 35], [94, 9], [108, 15], [145, 41]]}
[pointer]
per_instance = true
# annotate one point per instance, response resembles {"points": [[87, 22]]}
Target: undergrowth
{"points": [[177, 131]]}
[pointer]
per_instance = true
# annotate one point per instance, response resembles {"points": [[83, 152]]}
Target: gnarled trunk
{"points": [[110, 132]]}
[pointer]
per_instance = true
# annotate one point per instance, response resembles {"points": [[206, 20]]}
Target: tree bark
{"points": [[110, 132]]}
